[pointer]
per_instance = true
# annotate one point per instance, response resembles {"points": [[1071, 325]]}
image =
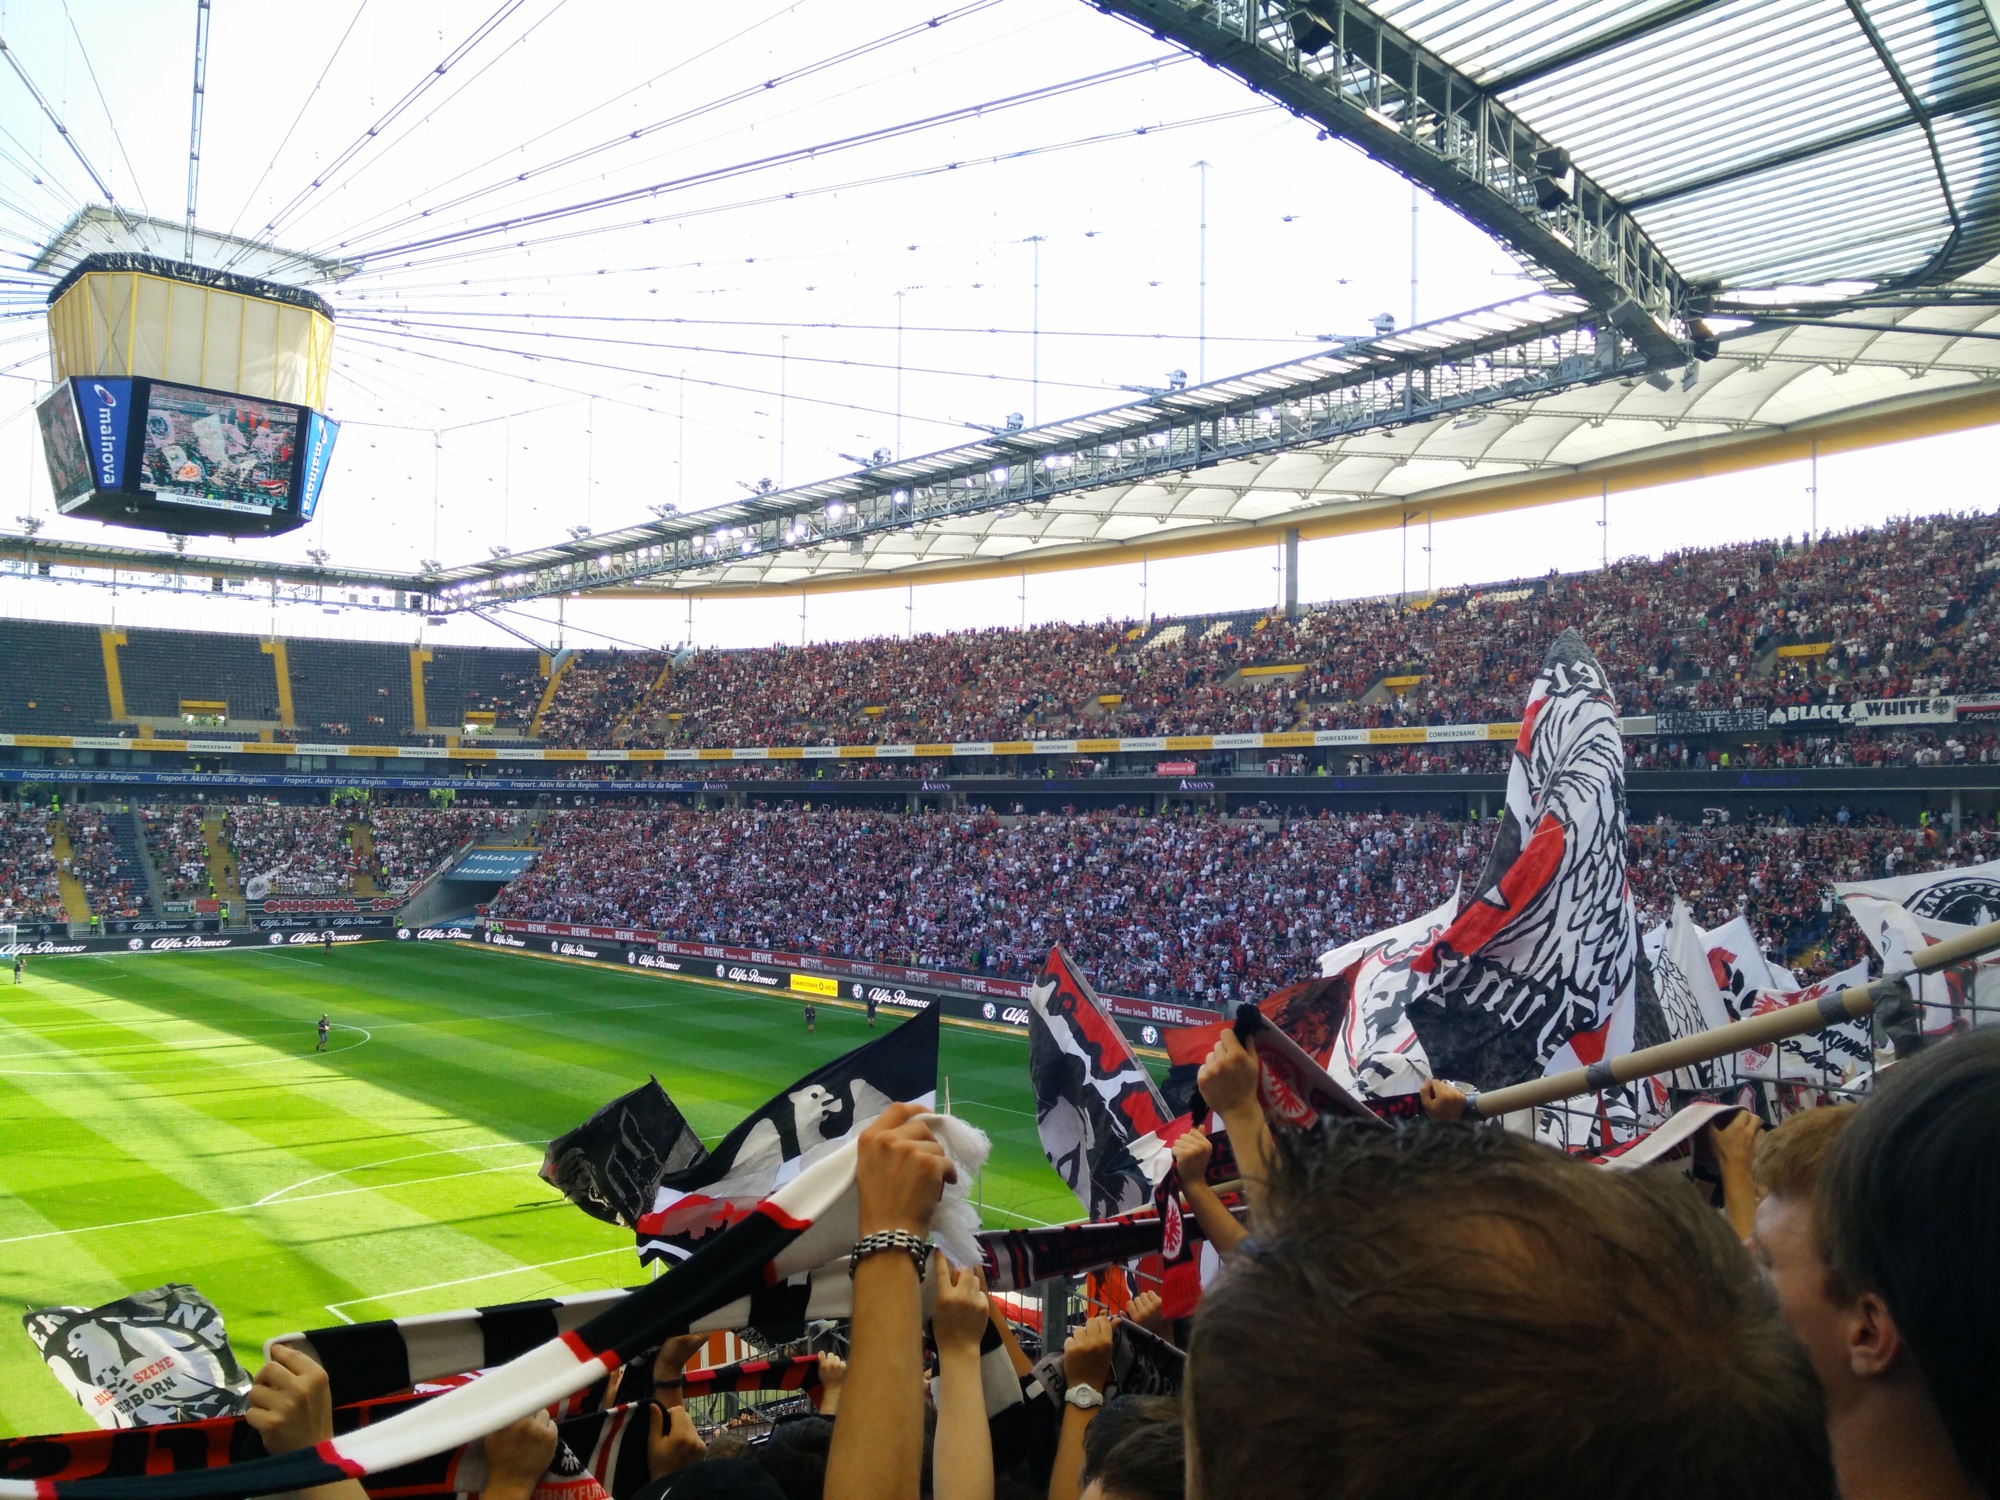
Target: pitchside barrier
{"points": [[1004, 1002], [178, 942]]}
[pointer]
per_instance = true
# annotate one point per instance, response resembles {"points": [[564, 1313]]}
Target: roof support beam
{"points": [[1372, 389], [1338, 64], [1603, 42]]}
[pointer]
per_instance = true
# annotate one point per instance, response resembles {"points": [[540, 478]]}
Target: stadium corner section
{"points": [[990, 1004]]}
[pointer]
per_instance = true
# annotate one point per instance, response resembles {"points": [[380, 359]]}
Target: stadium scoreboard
{"points": [[160, 456]]}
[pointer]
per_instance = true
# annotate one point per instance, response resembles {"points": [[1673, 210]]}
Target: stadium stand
{"points": [[411, 842], [350, 690], [1899, 611], [54, 682], [303, 849], [179, 850], [1188, 906], [596, 696], [161, 668], [29, 891], [464, 680], [104, 856]]}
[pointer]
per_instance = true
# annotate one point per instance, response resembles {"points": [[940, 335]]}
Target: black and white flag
{"points": [[1538, 971], [1097, 1110], [806, 1122], [156, 1356], [611, 1164]]}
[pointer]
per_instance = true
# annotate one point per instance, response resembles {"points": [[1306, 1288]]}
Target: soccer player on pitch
{"points": [[325, 1026], [812, 1018]]}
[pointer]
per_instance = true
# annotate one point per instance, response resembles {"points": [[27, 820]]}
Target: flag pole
{"points": [[1889, 994]]}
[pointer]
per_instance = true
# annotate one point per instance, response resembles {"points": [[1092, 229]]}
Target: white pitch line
{"points": [[244, 1208], [438, 1286], [269, 1062], [388, 1161]]}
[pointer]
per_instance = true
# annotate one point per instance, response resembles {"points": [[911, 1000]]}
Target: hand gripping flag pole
{"points": [[1889, 996], [808, 1222]]}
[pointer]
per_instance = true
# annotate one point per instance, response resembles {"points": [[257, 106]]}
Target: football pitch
{"points": [[165, 1118]]}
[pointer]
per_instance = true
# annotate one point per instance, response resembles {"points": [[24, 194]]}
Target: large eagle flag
{"points": [[1538, 971]]}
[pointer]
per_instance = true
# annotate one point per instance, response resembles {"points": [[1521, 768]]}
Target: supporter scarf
{"points": [[1673, 1138], [156, 1356], [1904, 914], [806, 1223], [1098, 1113], [1143, 1363], [798, 1127], [1016, 1259], [1538, 971], [368, 1360], [595, 1438], [1293, 1089], [610, 1166]]}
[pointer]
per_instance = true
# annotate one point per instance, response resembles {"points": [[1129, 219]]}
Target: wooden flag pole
{"points": [[1738, 1036]]}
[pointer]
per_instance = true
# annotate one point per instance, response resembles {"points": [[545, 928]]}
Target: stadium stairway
{"points": [[76, 905], [156, 894], [219, 862], [132, 852], [362, 842]]}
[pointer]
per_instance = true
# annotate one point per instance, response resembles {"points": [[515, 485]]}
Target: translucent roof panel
{"points": [[1759, 142]]}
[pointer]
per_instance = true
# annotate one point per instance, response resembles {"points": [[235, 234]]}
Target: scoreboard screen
{"points": [[164, 457]]}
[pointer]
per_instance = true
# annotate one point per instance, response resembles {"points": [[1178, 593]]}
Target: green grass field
{"points": [[165, 1119]]}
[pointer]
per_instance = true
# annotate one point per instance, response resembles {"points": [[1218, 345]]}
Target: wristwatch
{"points": [[1084, 1397]]}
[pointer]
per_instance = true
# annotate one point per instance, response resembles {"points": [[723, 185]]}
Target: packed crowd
{"points": [[1800, 1312], [305, 850], [1897, 611], [1211, 908], [411, 842], [29, 890], [596, 694], [112, 881], [179, 850]]}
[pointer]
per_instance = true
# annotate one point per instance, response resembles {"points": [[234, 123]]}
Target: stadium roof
{"points": [[1757, 144], [1761, 225]]}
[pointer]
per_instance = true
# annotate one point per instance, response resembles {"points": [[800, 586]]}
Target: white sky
{"points": [[451, 445]]}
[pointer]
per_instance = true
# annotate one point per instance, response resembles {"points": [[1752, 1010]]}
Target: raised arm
{"points": [[1218, 1224], [962, 1458], [878, 1437], [1228, 1081]]}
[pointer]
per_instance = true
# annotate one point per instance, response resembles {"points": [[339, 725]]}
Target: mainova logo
{"points": [[107, 437]]}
